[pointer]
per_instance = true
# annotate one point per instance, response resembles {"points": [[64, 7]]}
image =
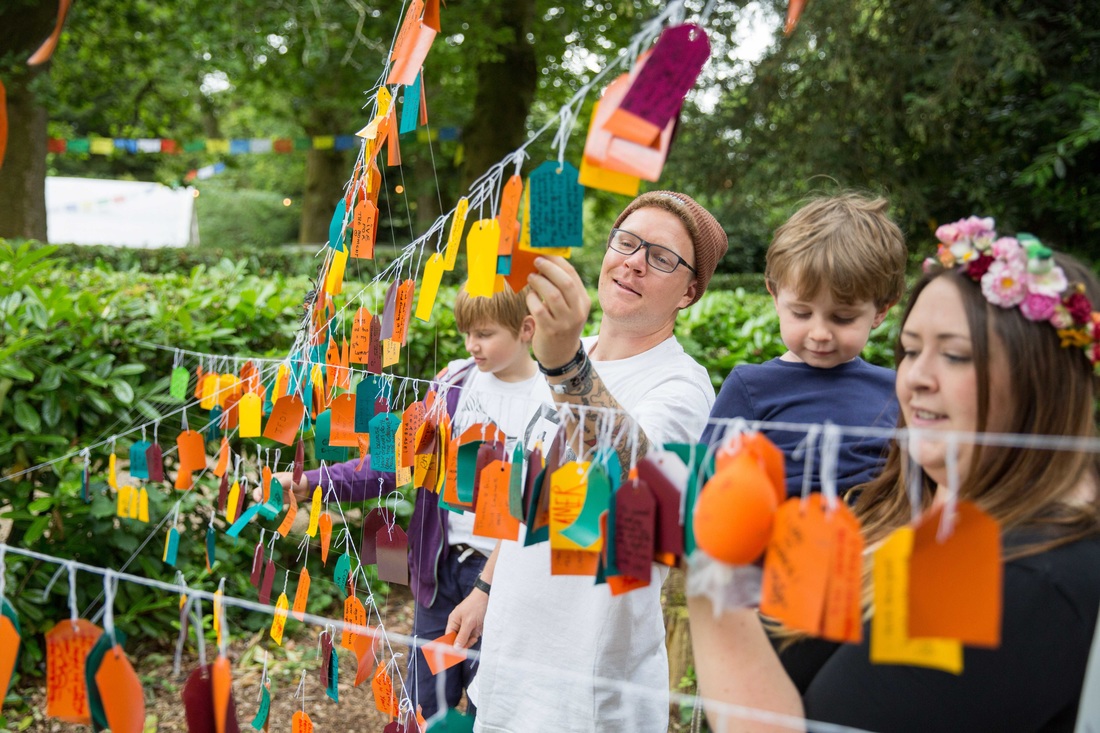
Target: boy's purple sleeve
{"points": [[349, 484]]}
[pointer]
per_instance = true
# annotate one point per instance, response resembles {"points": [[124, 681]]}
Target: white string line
{"points": [[630, 689]]}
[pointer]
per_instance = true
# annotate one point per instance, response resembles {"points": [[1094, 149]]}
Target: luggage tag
{"points": [[402, 312], [393, 555], [68, 644], [383, 431], [429, 286], [375, 520], [666, 476], [635, 527], [594, 175], [120, 691], [322, 443], [956, 576], [341, 572], [223, 458], [384, 698], [491, 516], [487, 453], [557, 202], [139, 468], [360, 336], [285, 420], [364, 231], [482, 245], [454, 237], [260, 722], [412, 419], [510, 197], [301, 593], [324, 526], [366, 392], [177, 383], [440, 653], [584, 531], [657, 92], [568, 489], [374, 358], [355, 614], [516, 483], [891, 642], [693, 455]]}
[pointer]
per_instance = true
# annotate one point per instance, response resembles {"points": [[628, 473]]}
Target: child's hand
{"points": [[468, 619]]}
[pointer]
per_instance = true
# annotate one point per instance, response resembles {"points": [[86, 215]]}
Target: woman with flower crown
{"points": [[999, 336]]}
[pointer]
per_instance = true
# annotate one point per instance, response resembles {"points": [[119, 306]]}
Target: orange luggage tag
{"points": [[285, 419], [440, 653], [491, 517], [119, 688], [67, 647]]}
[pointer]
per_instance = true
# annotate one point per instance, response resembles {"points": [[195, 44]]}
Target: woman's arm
{"points": [[736, 664]]}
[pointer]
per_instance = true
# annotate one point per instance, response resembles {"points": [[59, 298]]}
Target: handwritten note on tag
{"points": [[635, 523], [492, 518], [890, 639], [557, 202], [67, 647], [796, 565]]}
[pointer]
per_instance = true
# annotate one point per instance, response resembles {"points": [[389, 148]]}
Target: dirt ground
{"points": [[165, 711]]}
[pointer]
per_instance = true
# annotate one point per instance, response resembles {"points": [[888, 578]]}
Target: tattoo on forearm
{"points": [[588, 390]]}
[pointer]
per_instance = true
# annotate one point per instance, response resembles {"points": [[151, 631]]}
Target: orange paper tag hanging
{"points": [[492, 518], [364, 230], [301, 723], [222, 685], [955, 584], [301, 595], [67, 647], [440, 653], [384, 699], [121, 693], [286, 418], [342, 427], [223, 459], [355, 614], [509, 215], [291, 514], [324, 524], [192, 451], [796, 565], [9, 650], [843, 620], [401, 312]]}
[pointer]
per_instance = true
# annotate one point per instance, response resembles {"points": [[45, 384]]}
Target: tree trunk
{"points": [[505, 89], [23, 26], [326, 173], [23, 171]]}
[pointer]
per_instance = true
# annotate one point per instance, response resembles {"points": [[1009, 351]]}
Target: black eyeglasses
{"points": [[658, 257]]}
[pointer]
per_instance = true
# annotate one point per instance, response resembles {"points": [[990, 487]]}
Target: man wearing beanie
{"points": [[559, 652]]}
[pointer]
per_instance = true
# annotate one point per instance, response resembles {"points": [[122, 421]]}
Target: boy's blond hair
{"points": [[506, 308], [847, 243]]}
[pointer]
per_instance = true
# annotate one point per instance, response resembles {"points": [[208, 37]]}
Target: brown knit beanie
{"points": [[707, 236]]}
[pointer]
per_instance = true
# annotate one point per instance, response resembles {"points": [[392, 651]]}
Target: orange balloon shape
{"points": [[735, 511]]}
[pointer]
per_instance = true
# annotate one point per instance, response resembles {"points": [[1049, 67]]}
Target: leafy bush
{"points": [[248, 217]]}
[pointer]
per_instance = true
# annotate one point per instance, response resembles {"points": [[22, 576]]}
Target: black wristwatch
{"points": [[482, 586]]}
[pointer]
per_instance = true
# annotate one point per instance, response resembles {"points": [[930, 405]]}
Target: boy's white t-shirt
{"points": [[508, 405], [549, 640]]}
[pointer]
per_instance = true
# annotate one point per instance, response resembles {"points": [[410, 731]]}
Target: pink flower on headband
{"points": [[1037, 307], [1005, 283], [972, 228]]}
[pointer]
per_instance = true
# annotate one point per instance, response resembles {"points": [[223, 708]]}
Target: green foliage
{"points": [[247, 218], [728, 328]]}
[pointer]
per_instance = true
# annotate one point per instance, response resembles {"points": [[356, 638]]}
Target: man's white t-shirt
{"points": [[560, 653]]}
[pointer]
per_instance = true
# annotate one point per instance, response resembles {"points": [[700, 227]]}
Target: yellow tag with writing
{"points": [[890, 640], [454, 238], [232, 501], [143, 506], [429, 286], [314, 513], [279, 622], [403, 476], [209, 392], [334, 281], [568, 487], [112, 472], [391, 352], [481, 257], [218, 616], [122, 503], [249, 412]]}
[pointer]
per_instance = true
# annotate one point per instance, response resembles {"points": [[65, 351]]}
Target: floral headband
{"points": [[1020, 272]]}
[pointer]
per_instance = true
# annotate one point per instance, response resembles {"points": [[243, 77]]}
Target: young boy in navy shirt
{"points": [[833, 269]]}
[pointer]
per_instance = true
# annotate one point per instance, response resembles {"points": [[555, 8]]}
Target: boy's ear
{"points": [[880, 315], [527, 329]]}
